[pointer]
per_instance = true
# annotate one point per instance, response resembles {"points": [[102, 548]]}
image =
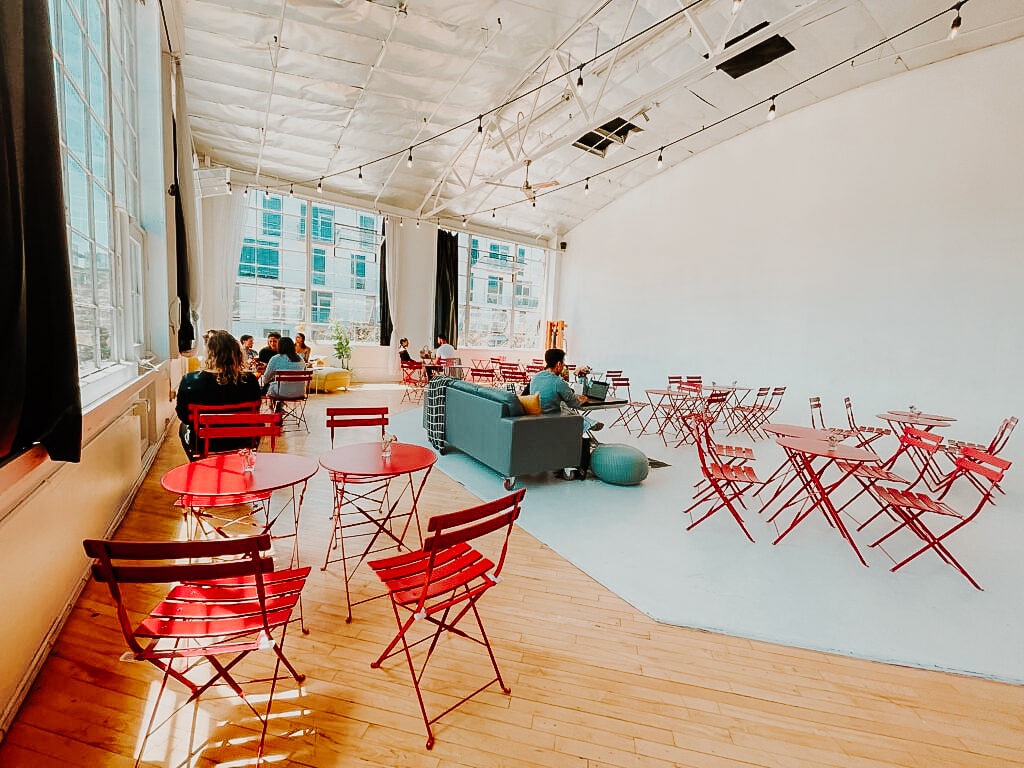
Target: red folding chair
{"points": [[864, 435], [290, 396], [933, 521], [219, 429], [955, 448], [726, 481], [442, 583], [226, 603], [414, 378], [368, 416]]}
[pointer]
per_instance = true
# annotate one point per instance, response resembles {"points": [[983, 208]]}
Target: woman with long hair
{"points": [[222, 380], [286, 359], [301, 349]]}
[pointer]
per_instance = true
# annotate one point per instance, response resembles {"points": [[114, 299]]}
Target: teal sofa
{"points": [[489, 424]]}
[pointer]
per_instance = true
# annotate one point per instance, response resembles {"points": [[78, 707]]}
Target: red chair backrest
{"points": [[216, 426], [368, 416]]}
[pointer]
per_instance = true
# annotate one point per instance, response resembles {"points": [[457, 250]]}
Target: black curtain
{"points": [[39, 400], [386, 326], [446, 292], [186, 331]]}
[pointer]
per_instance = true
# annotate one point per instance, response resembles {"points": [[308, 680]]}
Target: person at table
{"points": [[273, 339], [223, 380], [553, 392], [285, 360], [249, 355], [403, 351], [301, 349], [444, 351]]}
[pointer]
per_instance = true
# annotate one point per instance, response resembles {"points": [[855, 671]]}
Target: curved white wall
{"points": [[867, 246]]}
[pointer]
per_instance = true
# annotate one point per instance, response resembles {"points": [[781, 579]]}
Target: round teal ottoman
{"points": [[619, 464]]}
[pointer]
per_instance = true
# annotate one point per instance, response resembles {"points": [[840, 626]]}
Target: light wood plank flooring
{"points": [[594, 682]]}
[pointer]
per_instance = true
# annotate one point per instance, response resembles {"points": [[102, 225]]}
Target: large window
{"points": [[501, 295], [304, 265], [95, 73]]}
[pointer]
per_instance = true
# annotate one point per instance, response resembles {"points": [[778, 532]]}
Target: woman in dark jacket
{"points": [[222, 381]]}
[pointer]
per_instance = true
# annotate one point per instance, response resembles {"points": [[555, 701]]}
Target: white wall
{"points": [[867, 246]]}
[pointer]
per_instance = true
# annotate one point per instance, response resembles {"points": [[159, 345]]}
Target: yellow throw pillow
{"points": [[531, 404]]}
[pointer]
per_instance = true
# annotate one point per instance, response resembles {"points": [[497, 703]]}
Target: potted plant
{"points": [[342, 343]]}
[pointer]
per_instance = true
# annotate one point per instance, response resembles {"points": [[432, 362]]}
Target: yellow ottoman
{"points": [[330, 379]]}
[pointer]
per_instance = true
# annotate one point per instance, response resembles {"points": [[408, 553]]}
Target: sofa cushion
{"points": [[503, 396], [531, 404], [619, 464]]}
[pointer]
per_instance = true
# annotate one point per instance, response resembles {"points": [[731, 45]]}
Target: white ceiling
{"points": [[289, 91]]}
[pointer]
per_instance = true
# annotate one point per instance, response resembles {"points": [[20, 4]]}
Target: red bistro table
{"points": [[220, 480], [927, 422], [370, 515], [801, 451]]}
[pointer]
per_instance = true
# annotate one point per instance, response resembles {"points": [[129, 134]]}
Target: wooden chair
{"points": [[226, 601], [442, 583]]}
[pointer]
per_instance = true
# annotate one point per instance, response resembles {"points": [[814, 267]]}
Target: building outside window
{"points": [[501, 298], [322, 265], [95, 74]]}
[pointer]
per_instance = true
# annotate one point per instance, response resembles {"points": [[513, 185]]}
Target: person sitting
{"points": [[284, 360], [222, 381], [249, 355], [301, 349], [403, 350], [444, 351], [554, 391], [273, 338]]}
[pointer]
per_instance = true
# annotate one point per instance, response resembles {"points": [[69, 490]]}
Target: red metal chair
{"points": [[955, 448], [864, 435], [726, 481], [482, 375], [933, 521], [291, 395], [442, 583], [227, 601], [194, 409], [368, 416], [414, 378]]}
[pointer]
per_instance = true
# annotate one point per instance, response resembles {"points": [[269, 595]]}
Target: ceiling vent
{"points": [[756, 56], [597, 141]]}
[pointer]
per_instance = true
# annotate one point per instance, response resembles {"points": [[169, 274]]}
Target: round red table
{"points": [[220, 480], [369, 516], [800, 451]]}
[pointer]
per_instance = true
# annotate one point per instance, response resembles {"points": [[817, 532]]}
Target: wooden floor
{"points": [[594, 682]]}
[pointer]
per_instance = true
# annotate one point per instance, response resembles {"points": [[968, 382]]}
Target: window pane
{"points": [[72, 49], [98, 154], [81, 269], [78, 197], [97, 87], [101, 206], [85, 338], [75, 122]]}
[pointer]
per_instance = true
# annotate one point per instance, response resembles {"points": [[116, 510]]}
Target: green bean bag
{"points": [[619, 464]]}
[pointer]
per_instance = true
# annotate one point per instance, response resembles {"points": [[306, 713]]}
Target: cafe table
{"points": [[802, 451], [222, 480], [922, 461], [376, 499]]}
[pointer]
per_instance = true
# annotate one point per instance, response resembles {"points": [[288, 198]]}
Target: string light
{"points": [[661, 160], [401, 222], [291, 191], [320, 186], [954, 28], [417, 223], [586, 187], [492, 213], [245, 192], [408, 161], [229, 186], [360, 174], [771, 110], [266, 192], [480, 124], [579, 80]]}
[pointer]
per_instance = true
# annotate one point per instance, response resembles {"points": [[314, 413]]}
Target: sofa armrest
{"points": [[539, 443]]}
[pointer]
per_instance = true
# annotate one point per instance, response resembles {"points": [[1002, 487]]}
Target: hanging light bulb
{"points": [[954, 28], [586, 187], [229, 186], [266, 193], [579, 80], [661, 160], [535, 202], [360, 174], [463, 222], [771, 110], [401, 222], [291, 191], [492, 213], [417, 223], [245, 192], [408, 160], [320, 185], [480, 124], [736, 5]]}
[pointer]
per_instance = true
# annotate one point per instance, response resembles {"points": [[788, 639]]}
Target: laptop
{"points": [[597, 395]]}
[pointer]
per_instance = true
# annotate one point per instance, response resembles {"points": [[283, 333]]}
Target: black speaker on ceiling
{"points": [[563, 245]]}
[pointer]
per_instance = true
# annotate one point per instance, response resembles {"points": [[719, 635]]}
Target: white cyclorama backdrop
{"points": [[867, 246]]}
